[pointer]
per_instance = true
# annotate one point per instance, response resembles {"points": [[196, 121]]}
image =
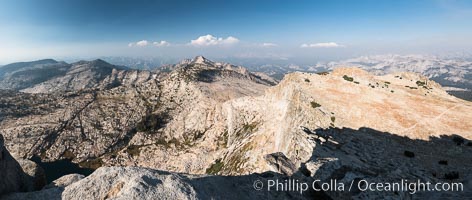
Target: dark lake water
{"points": [[57, 169]]}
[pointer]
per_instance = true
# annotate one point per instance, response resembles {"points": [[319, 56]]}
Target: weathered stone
{"points": [[281, 163], [143, 183], [65, 181], [34, 174], [12, 179]]}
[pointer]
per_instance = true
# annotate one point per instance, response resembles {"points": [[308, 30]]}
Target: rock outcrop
{"points": [[65, 181], [10, 171], [34, 174], [18, 177], [142, 183], [281, 163]]}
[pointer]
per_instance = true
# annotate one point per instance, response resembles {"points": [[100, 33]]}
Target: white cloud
{"points": [[210, 40], [269, 45], [161, 44], [322, 45], [142, 43]]}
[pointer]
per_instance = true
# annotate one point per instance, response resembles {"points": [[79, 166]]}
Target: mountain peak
{"points": [[99, 61], [93, 62], [201, 60], [46, 61]]}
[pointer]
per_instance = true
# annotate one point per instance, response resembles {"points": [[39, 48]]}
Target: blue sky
{"points": [[31, 29]]}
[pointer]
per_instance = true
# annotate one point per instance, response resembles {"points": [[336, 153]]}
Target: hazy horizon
{"points": [[308, 31]]}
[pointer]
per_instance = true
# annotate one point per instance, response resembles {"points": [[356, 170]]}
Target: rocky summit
{"points": [[207, 130]]}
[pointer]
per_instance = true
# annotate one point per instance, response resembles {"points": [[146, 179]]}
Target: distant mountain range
{"points": [[17, 76], [453, 72], [142, 63], [46, 76]]}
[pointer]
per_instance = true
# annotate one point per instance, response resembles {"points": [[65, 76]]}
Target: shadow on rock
{"points": [[18, 176], [366, 156], [340, 156]]}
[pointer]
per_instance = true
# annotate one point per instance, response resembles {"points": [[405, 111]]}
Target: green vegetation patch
{"points": [[348, 78], [190, 138], [420, 83], [151, 122], [92, 164], [68, 155], [134, 150], [223, 139], [413, 88], [215, 167], [249, 127], [246, 129], [314, 104], [162, 141], [236, 162], [175, 141]]}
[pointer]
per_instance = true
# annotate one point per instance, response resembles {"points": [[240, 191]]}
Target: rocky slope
{"points": [[82, 75], [351, 155], [17, 76], [449, 72], [456, 73], [404, 104], [112, 126], [50, 76], [207, 118]]}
